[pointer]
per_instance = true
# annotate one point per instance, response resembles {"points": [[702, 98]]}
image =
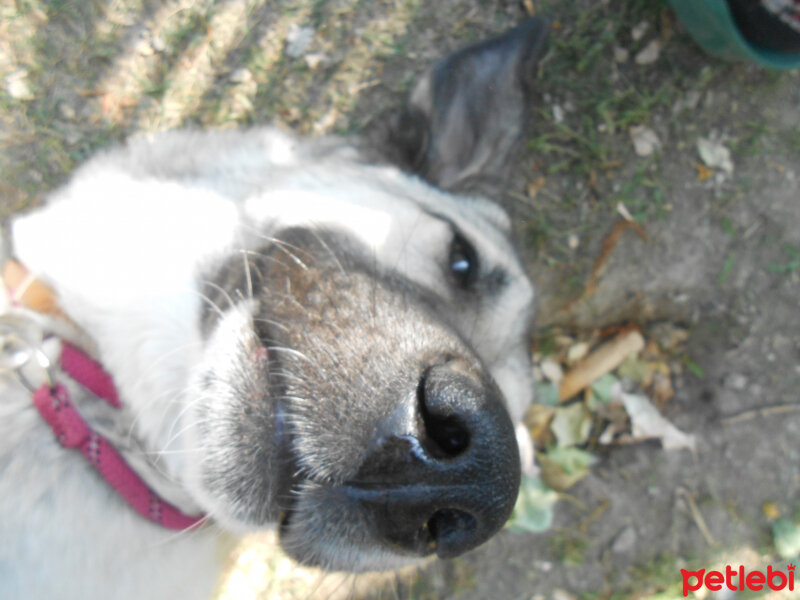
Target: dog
{"points": [[329, 337]]}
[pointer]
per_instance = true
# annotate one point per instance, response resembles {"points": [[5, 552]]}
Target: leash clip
{"points": [[21, 345]]}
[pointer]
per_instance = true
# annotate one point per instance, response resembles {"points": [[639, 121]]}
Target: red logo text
{"points": [[738, 579]]}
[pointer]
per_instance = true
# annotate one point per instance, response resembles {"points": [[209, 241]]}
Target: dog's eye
{"points": [[463, 261]]}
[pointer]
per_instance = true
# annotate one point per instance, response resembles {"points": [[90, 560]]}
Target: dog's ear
{"points": [[465, 115]]}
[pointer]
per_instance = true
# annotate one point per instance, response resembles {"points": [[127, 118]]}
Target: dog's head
{"points": [[367, 350]]}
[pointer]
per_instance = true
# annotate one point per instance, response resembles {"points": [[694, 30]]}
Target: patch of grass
{"points": [[751, 141], [693, 367], [727, 226], [792, 138], [601, 98], [662, 576], [727, 268], [642, 193], [461, 578], [791, 266], [568, 548]]}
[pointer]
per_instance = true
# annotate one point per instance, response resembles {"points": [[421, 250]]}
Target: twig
{"points": [[596, 513], [698, 518], [767, 411]]}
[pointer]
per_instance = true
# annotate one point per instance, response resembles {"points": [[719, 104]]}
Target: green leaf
{"points": [[601, 388], [533, 511], [546, 392], [571, 425], [564, 467], [636, 369], [572, 460]]}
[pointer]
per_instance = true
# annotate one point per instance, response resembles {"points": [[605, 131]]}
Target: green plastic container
{"points": [[712, 26]]}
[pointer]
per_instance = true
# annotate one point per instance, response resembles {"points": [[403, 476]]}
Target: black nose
{"points": [[442, 471]]}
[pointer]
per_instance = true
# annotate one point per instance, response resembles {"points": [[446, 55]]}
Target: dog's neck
{"points": [[139, 308]]}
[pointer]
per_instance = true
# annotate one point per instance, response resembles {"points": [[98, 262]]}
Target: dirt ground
{"points": [[721, 260]]}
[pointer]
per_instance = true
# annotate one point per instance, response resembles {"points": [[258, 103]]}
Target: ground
{"points": [[721, 260]]}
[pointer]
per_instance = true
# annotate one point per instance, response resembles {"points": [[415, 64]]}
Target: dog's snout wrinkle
{"points": [[441, 473]]}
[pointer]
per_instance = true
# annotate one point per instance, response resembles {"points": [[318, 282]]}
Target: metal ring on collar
{"points": [[21, 343]]}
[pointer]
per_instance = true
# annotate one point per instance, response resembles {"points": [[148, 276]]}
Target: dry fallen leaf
{"points": [[609, 243], [662, 389], [551, 370], [649, 54], [603, 360], [638, 370], [577, 352], [771, 510], [715, 155], [535, 186], [571, 425], [703, 172], [529, 8], [638, 30], [618, 421], [537, 420], [647, 423], [533, 511], [669, 337], [564, 467]]}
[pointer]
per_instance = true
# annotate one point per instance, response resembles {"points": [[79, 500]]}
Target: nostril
{"points": [[443, 436], [450, 528], [441, 473]]}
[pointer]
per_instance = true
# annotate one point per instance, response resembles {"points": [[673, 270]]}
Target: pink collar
{"points": [[53, 403]]}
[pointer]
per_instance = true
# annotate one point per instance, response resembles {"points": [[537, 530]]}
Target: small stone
{"points": [[625, 541], [573, 241], [621, 54], [558, 114], [645, 141], [649, 54]]}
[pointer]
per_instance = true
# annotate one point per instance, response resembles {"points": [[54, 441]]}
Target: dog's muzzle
{"points": [[442, 471]]}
